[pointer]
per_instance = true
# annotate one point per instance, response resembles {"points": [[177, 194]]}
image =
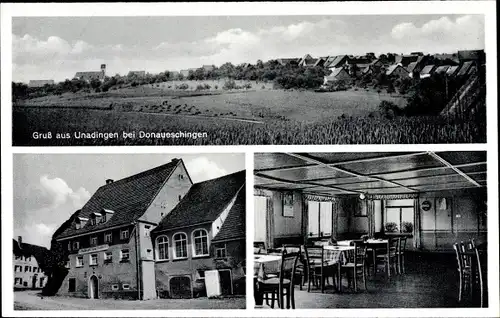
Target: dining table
{"points": [[264, 266]]}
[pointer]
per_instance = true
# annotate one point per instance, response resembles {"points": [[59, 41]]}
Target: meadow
{"points": [[347, 130]]}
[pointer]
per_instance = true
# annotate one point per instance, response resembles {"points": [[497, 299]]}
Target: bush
{"points": [[183, 86], [389, 109], [229, 84], [407, 227], [391, 227]]}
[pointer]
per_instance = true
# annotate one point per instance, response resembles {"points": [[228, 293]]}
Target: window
{"points": [[93, 221], [108, 257], [398, 216], [76, 245], [18, 268], [72, 285], [27, 268], [69, 246], [35, 269], [19, 257], [103, 218], [78, 225], [200, 242], [79, 261], [68, 264], [124, 234], [201, 274], [27, 258], [220, 252], [18, 281], [93, 259], [124, 255], [147, 229], [108, 237], [181, 177], [93, 240], [114, 287], [180, 245], [162, 246], [320, 218], [41, 281], [126, 286]]}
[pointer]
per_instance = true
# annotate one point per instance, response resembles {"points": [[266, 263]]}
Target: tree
{"points": [[95, 83]]}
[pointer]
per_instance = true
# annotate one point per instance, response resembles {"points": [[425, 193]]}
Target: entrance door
{"points": [[226, 282], [33, 283], [93, 287], [180, 287]]}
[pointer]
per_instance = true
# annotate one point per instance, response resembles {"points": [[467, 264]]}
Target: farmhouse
{"points": [[40, 83], [405, 60], [89, 76], [452, 70], [336, 61], [28, 264], [288, 61], [108, 240], [397, 71], [427, 71], [204, 232], [441, 69], [139, 74], [136, 236], [338, 74], [467, 68]]}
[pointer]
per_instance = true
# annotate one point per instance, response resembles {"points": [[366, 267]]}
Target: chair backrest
{"points": [[359, 255], [314, 252], [463, 249], [292, 248], [402, 244], [259, 244], [458, 254], [288, 266]]}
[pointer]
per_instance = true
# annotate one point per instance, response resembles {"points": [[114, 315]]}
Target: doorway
{"points": [[226, 281], [93, 287]]}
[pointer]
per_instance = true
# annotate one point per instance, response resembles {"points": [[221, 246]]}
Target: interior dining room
{"points": [[370, 230]]}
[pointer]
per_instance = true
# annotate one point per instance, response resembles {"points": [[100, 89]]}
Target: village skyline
{"points": [[45, 53]]}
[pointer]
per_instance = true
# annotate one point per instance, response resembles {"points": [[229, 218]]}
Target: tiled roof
{"points": [[452, 70], [442, 69], [128, 198], [234, 225], [204, 202], [411, 66], [465, 68], [427, 70]]}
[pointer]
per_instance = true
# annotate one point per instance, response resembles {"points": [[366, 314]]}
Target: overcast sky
{"points": [[57, 47], [49, 188]]}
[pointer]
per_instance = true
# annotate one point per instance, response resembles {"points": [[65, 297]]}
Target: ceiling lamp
{"points": [[362, 196]]}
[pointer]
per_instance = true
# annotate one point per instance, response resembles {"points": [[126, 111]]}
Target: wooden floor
{"points": [[429, 282]]}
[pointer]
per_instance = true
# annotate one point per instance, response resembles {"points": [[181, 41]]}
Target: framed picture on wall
{"points": [[288, 204]]}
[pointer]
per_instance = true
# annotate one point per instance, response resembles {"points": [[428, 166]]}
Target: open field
{"points": [[349, 130], [30, 300]]}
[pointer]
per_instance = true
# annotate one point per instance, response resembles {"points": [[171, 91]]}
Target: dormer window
{"points": [[80, 222], [95, 218], [181, 176], [106, 214]]}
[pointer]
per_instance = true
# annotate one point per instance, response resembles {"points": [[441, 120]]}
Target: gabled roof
{"points": [[40, 253], [234, 227], [442, 69], [428, 69], [392, 68], [336, 71], [335, 61], [204, 202], [465, 68], [411, 67], [452, 70], [404, 60], [128, 198]]}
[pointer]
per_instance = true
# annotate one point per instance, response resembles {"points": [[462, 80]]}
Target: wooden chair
{"points": [[401, 254], [318, 269], [281, 287], [463, 272], [300, 269], [389, 256], [356, 265], [259, 247], [478, 271]]}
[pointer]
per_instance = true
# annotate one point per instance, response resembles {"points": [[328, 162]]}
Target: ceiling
{"points": [[370, 173]]}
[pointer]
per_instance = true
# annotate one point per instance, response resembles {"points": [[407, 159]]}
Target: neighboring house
{"points": [[308, 61], [208, 68], [288, 61], [337, 74], [40, 83], [405, 60], [397, 71], [452, 70], [185, 73], [374, 67], [336, 61], [139, 74], [442, 69], [205, 231], [89, 76], [466, 68], [108, 240], [29, 265], [427, 71]]}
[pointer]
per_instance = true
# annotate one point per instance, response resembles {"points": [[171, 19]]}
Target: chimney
{"points": [[19, 241], [109, 181], [175, 159]]}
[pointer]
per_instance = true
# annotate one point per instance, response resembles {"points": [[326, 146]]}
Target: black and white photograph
{"points": [[371, 230], [148, 231], [249, 80]]}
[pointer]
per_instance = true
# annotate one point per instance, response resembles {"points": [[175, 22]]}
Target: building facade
{"points": [[28, 271], [143, 236]]}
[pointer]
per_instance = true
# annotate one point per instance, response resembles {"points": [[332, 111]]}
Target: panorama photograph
{"points": [[126, 232], [258, 80]]}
